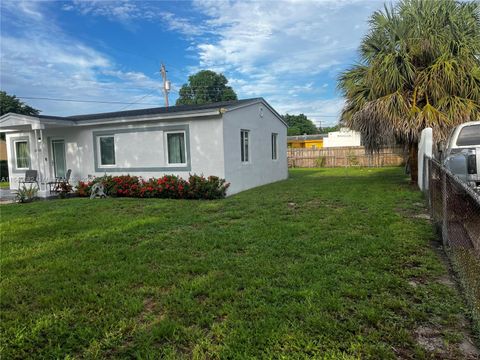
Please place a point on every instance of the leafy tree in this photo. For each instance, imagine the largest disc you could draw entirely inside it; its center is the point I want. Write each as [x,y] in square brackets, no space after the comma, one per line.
[299,125]
[328,129]
[10,103]
[205,87]
[420,67]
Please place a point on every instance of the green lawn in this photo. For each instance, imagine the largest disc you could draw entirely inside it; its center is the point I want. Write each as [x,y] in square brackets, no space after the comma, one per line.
[328,264]
[4,185]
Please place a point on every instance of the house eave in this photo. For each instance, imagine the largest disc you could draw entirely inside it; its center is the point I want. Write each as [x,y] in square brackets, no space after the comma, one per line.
[256,101]
[18,122]
[152,117]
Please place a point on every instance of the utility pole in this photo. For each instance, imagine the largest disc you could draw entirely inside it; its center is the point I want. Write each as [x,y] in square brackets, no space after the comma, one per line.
[166,83]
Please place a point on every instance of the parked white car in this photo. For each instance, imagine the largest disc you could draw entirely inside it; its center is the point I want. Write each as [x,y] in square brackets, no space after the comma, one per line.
[462,153]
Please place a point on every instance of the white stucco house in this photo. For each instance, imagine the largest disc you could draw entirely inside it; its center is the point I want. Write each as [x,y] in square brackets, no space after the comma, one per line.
[241,141]
[343,137]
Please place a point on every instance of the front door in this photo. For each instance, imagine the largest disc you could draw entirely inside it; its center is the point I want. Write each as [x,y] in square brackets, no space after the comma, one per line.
[59,163]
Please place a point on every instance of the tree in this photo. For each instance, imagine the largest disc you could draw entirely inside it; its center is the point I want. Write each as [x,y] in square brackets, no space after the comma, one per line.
[299,125]
[419,68]
[205,87]
[327,129]
[10,103]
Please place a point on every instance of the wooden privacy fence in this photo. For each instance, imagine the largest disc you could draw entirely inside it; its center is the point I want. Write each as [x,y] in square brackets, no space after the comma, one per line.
[345,156]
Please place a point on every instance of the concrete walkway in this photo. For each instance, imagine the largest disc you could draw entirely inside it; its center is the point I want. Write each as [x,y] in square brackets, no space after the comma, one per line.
[6,196]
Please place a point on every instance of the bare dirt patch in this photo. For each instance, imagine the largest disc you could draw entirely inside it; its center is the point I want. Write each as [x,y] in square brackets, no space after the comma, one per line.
[430,339]
[446,280]
[423,216]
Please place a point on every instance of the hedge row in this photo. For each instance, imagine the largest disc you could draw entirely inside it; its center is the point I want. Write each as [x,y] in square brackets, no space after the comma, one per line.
[168,186]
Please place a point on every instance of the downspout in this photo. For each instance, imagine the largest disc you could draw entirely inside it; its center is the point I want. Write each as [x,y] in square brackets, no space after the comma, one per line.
[35,135]
[42,146]
[38,133]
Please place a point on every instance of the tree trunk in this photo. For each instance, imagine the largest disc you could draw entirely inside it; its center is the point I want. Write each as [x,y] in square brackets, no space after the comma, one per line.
[413,161]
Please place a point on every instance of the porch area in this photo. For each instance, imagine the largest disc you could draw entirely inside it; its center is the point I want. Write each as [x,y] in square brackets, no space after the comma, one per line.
[35,158]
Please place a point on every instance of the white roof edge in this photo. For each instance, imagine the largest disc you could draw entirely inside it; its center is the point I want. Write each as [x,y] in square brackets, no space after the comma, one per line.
[32,119]
[260,100]
[4,117]
[165,116]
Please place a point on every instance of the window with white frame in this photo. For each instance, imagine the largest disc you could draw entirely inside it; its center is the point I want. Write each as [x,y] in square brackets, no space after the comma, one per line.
[22,154]
[274,146]
[244,142]
[176,149]
[107,150]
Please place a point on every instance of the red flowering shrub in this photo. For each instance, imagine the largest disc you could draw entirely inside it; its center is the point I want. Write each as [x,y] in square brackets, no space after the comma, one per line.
[167,187]
[84,187]
[124,185]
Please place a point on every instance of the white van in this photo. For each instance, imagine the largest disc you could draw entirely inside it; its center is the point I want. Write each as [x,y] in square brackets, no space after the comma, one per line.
[462,153]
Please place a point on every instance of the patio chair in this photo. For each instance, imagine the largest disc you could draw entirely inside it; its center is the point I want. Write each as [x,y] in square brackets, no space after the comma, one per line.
[31,177]
[55,186]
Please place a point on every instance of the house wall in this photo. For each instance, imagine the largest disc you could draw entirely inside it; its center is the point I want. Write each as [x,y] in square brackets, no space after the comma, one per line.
[261,169]
[140,149]
[15,174]
[344,137]
[307,144]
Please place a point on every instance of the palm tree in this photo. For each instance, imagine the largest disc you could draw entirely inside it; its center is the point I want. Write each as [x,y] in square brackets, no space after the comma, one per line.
[419,67]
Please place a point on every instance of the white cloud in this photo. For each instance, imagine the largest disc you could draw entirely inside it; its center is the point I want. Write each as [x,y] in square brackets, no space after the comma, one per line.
[181,24]
[286,51]
[41,61]
[123,11]
[29,9]
[289,36]
[278,49]
[126,12]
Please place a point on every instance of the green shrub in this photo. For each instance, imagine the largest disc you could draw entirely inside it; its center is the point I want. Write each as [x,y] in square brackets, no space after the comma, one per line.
[26,194]
[212,187]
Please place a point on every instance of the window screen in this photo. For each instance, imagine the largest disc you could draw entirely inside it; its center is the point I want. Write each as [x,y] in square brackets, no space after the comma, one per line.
[176,148]
[107,150]
[22,154]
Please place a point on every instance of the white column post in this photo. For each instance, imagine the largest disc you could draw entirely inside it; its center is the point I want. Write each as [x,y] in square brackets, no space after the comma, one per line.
[39,152]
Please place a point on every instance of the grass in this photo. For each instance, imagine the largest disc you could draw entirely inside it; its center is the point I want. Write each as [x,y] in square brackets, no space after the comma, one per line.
[320,265]
[4,185]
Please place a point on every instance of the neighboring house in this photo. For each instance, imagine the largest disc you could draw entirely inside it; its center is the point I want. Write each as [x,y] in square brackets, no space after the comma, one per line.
[3,161]
[242,141]
[344,137]
[3,150]
[306,141]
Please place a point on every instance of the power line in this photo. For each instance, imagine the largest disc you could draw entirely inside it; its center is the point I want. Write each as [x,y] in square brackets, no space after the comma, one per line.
[315,114]
[85,101]
[138,101]
[131,103]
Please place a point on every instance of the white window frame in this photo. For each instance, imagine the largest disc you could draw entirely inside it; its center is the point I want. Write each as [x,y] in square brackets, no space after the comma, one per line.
[242,147]
[100,152]
[16,157]
[274,141]
[168,164]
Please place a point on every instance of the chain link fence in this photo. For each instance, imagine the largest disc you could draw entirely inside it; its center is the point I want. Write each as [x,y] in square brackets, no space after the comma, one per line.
[455,209]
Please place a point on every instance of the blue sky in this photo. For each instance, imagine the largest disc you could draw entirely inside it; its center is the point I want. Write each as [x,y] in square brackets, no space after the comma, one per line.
[289,52]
